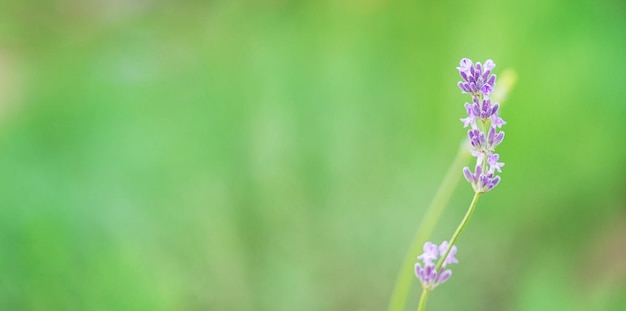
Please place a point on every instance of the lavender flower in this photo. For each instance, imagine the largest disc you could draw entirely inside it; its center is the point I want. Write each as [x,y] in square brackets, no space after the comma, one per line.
[479,82]
[427,274]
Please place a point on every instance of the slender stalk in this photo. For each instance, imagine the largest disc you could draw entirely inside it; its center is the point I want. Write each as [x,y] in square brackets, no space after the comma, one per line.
[423,299]
[404,279]
[459,229]
[431,217]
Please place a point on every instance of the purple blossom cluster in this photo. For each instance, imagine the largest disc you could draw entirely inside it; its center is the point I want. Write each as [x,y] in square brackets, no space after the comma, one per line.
[484,122]
[427,274]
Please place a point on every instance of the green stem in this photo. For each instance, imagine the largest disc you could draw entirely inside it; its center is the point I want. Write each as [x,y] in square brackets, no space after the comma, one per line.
[423,299]
[459,229]
[431,217]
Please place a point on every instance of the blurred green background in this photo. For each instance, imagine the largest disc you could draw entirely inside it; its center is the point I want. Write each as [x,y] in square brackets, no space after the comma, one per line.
[278,155]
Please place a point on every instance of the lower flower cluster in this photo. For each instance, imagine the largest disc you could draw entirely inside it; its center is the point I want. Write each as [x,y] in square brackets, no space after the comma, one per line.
[426,273]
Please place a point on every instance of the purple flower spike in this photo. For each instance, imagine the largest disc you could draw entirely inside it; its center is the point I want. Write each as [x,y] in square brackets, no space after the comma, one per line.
[479,82]
[426,273]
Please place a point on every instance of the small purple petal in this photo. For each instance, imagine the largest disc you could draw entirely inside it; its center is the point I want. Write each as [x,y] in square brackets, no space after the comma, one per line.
[431,252]
[494,165]
[468,174]
[486,74]
[444,276]
[478,172]
[489,64]
[493,158]
[450,258]
[492,81]
[494,182]
[429,274]
[498,166]
[443,247]
[476,109]
[491,134]
[467,121]
[494,108]
[468,109]
[477,154]
[497,121]
[498,139]
[463,75]
[486,89]
[494,138]
[465,65]
[486,109]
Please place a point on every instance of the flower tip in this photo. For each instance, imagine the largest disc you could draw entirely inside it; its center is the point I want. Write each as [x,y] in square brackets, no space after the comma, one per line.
[494,182]
[489,64]
[444,276]
[418,269]
[468,174]
[465,64]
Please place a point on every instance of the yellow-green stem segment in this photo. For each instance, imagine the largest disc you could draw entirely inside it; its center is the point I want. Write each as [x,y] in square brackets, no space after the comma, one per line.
[458,231]
[422,305]
[431,217]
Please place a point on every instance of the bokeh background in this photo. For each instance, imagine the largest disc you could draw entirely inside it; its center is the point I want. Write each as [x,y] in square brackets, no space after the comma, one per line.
[279,155]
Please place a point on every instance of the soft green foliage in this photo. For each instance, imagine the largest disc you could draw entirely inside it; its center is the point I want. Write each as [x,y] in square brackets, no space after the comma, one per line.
[278,155]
